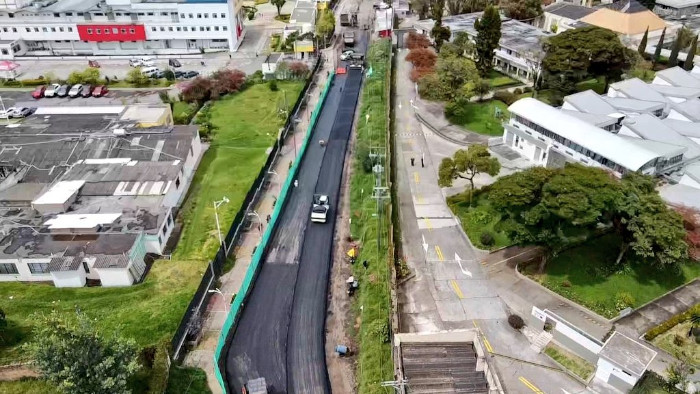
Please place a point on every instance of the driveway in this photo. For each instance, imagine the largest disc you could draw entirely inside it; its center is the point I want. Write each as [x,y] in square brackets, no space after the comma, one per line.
[451,289]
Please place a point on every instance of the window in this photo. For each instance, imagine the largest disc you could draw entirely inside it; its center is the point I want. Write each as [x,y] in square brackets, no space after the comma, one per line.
[106,31]
[99,14]
[149,14]
[69,14]
[56,15]
[38,268]
[207,28]
[53,29]
[199,16]
[4,51]
[224,28]
[190,15]
[14,30]
[177,182]
[170,219]
[70,29]
[79,14]
[11,15]
[4,29]
[85,266]
[223,15]
[27,29]
[141,14]
[170,28]
[118,14]
[123,31]
[165,229]
[8,269]
[160,239]
[89,31]
[60,29]
[164,13]
[98,31]
[115,30]
[213,15]
[132,31]
[44,29]
[178,28]
[206,15]
[216,28]
[182,15]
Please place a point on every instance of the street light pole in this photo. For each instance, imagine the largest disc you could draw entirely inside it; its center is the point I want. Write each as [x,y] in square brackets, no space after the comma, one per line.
[217,204]
[223,297]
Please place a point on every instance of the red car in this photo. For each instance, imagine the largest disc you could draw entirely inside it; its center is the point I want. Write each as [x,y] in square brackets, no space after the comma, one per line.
[99,91]
[39,92]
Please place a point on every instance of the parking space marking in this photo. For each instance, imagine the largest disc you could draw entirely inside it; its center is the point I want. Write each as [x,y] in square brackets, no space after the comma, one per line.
[530,385]
[439,253]
[455,287]
[416,177]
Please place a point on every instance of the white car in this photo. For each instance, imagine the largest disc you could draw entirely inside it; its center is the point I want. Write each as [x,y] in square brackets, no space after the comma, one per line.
[346,55]
[75,90]
[51,90]
[320,208]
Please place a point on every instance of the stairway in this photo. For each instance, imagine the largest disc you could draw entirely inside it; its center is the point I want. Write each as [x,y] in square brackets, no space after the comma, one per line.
[541,341]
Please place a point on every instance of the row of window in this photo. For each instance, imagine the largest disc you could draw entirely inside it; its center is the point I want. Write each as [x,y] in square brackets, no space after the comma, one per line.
[191,28]
[113,30]
[572,145]
[204,15]
[34,268]
[36,29]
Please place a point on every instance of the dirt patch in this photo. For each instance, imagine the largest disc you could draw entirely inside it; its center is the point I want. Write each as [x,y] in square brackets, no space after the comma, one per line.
[16,372]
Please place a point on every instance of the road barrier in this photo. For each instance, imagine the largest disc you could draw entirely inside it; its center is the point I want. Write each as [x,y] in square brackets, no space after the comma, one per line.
[228,329]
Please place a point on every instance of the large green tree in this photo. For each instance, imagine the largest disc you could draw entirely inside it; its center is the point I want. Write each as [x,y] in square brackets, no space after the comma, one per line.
[522,10]
[467,164]
[278,4]
[581,53]
[487,37]
[455,78]
[325,25]
[78,359]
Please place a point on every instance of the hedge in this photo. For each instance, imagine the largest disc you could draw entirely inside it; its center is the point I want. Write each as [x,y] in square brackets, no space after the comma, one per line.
[672,322]
[158,381]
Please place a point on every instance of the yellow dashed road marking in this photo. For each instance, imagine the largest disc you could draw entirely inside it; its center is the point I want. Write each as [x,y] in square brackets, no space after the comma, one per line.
[430,225]
[488,345]
[530,385]
[416,177]
[455,287]
[439,253]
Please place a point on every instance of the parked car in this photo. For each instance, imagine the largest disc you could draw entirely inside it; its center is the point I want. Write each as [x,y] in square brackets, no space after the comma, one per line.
[39,92]
[51,90]
[87,91]
[346,55]
[190,74]
[75,90]
[149,71]
[63,91]
[93,63]
[135,63]
[179,74]
[99,91]
[22,112]
[174,63]
[7,113]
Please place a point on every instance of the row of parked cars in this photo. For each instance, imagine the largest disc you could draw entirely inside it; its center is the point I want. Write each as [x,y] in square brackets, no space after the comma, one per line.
[16,112]
[78,90]
[147,61]
[155,72]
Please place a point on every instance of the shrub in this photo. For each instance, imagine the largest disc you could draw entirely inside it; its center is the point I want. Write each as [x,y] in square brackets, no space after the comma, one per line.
[169,75]
[418,73]
[527,89]
[624,300]
[565,283]
[256,77]
[273,85]
[678,340]
[516,322]
[164,97]
[505,97]
[415,40]
[298,70]
[670,323]
[486,238]
[158,380]
[518,91]
[199,90]
[34,82]
[380,329]
[422,57]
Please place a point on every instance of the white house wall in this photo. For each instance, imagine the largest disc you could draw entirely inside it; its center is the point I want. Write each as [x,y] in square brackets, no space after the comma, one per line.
[115,277]
[24,274]
[605,369]
[69,278]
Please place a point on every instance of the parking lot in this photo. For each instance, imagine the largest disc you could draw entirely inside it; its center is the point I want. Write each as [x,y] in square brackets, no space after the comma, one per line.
[118,97]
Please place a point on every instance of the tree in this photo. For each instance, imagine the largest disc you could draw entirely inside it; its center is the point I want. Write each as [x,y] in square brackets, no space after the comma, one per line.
[684,36]
[678,374]
[198,90]
[455,72]
[522,9]
[437,9]
[75,77]
[226,81]
[642,49]
[77,359]
[278,4]
[584,52]
[422,58]
[694,322]
[690,58]
[673,58]
[169,74]
[439,33]
[298,70]
[415,40]
[136,77]
[326,25]
[482,89]
[463,43]
[421,7]
[488,35]
[91,75]
[657,51]
[467,164]
[3,325]
[456,7]
[648,3]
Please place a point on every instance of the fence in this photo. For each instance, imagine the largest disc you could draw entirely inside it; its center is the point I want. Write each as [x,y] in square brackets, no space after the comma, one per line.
[254,268]
[193,314]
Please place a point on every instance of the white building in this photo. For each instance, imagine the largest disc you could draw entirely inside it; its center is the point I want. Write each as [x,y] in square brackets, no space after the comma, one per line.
[118,27]
[677,8]
[622,361]
[98,196]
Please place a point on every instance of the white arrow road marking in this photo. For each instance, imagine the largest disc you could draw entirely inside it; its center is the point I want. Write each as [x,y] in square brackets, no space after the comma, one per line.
[425,244]
[464,271]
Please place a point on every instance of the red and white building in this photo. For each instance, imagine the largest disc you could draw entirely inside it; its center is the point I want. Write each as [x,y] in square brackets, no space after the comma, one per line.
[118,27]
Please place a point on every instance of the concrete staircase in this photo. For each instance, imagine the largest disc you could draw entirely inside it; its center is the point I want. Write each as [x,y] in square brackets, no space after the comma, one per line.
[541,341]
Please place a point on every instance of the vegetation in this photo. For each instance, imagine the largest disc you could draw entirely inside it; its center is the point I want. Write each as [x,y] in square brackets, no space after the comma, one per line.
[479,117]
[588,275]
[690,58]
[522,10]
[185,380]
[516,322]
[672,322]
[676,341]
[183,112]
[478,219]
[580,54]
[72,354]
[325,25]
[659,45]
[439,32]
[467,164]
[222,82]
[372,304]
[488,35]
[278,4]
[642,48]
[652,383]
[499,80]
[577,365]
[137,78]
[89,76]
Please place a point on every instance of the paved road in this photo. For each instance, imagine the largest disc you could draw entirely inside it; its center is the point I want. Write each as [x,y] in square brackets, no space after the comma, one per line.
[447,292]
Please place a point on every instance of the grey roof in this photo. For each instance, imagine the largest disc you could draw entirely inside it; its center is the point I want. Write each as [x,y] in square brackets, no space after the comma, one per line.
[21,194]
[141,171]
[625,104]
[693,171]
[590,102]
[627,353]
[111,261]
[682,195]
[689,108]
[652,128]
[678,3]
[677,76]
[638,89]
[303,15]
[65,263]
[569,11]
[626,6]
[688,129]
[661,148]
[677,91]
[24,242]
[592,118]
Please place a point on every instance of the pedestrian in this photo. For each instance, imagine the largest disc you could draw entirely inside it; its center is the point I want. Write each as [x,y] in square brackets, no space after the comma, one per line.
[365,264]
[202,63]
[229,56]
[260,226]
[107,80]
[296,183]
[413,160]
[268,218]
[422,162]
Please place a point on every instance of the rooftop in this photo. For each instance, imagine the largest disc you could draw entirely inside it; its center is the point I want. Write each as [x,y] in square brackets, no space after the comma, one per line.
[608,145]
[690,109]
[652,128]
[678,3]
[626,23]
[677,76]
[303,15]
[688,129]
[677,91]
[637,89]
[569,11]
[627,353]
[626,6]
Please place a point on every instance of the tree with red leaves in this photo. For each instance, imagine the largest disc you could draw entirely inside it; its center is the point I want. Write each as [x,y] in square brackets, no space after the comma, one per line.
[415,40]
[422,58]
[298,69]
[226,81]
[199,90]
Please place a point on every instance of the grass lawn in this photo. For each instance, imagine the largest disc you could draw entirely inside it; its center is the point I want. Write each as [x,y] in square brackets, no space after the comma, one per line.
[689,350]
[375,362]
[187,381]
[28,386]
[499,80]
[652,383]
[577,365]
[478,219]
[597,84]
[582,275]
[247,125]
[480,117]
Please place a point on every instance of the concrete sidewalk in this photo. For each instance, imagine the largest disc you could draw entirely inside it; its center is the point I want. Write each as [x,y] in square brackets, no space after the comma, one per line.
[218,307]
